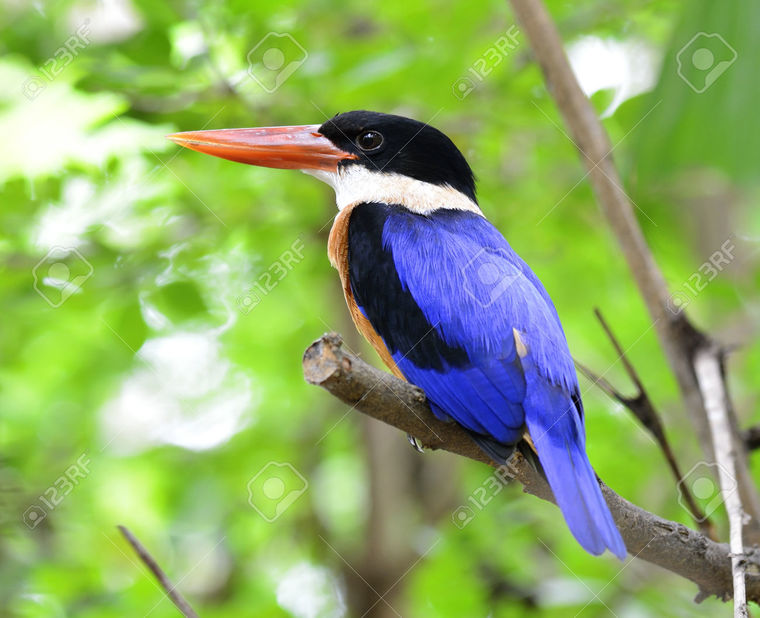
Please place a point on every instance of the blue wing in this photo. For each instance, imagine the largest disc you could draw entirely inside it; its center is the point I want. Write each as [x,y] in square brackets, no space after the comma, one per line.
[448,295]
[475,292]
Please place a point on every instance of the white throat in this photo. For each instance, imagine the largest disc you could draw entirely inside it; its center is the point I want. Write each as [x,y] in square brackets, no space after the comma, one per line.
[356,184]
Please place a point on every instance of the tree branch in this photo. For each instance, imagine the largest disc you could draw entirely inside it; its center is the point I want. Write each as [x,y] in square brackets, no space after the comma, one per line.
[668,544]
[142,553]
[709,375]
[751,437]
[643,409]
[678,337]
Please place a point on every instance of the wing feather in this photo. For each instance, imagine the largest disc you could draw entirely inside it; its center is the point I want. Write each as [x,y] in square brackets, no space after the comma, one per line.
[475,291]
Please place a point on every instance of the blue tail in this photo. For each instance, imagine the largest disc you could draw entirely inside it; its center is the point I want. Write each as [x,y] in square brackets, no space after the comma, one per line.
[556,427]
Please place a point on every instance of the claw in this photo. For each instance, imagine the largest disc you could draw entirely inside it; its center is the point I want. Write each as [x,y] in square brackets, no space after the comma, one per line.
[416,444]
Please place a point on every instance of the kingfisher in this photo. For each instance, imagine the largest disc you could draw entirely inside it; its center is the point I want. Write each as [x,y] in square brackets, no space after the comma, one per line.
[440,294]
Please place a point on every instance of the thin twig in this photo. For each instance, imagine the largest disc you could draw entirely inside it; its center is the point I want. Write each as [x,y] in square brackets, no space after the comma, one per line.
[636,405]
[142,553]
[622,356]
[648,537]
[643,409]
[707,366]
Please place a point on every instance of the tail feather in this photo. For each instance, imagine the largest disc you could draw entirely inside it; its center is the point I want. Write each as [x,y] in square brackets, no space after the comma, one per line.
[556,428]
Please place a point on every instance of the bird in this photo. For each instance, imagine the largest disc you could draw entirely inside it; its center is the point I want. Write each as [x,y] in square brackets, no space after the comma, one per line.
[440,294]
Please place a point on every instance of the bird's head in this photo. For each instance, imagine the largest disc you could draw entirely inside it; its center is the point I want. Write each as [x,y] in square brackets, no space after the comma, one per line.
[365,156]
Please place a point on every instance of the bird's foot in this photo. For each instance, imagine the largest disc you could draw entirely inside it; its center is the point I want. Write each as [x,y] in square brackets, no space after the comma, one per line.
[416,444]
[528,451]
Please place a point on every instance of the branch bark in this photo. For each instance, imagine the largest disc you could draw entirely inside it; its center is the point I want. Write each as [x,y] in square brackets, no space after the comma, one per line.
[677,335]
[708,369]
[665,543]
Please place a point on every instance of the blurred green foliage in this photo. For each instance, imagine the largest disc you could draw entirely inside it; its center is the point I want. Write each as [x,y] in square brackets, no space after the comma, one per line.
[156,391]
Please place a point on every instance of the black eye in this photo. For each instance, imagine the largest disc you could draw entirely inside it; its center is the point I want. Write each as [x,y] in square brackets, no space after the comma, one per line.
[369,140]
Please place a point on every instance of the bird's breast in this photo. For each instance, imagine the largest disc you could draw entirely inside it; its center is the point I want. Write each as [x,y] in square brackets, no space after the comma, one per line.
[337,251]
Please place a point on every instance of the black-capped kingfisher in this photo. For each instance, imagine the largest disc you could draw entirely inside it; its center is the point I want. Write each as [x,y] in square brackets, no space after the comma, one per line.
[440,294]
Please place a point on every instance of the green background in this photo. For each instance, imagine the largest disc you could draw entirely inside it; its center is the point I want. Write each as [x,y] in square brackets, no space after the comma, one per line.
[176,394]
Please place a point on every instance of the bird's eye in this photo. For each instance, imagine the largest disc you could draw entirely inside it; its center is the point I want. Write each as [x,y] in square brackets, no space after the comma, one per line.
[369,140]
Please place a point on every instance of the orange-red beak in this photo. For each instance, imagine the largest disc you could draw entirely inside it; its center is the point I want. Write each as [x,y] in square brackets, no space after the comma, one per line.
[297,147]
